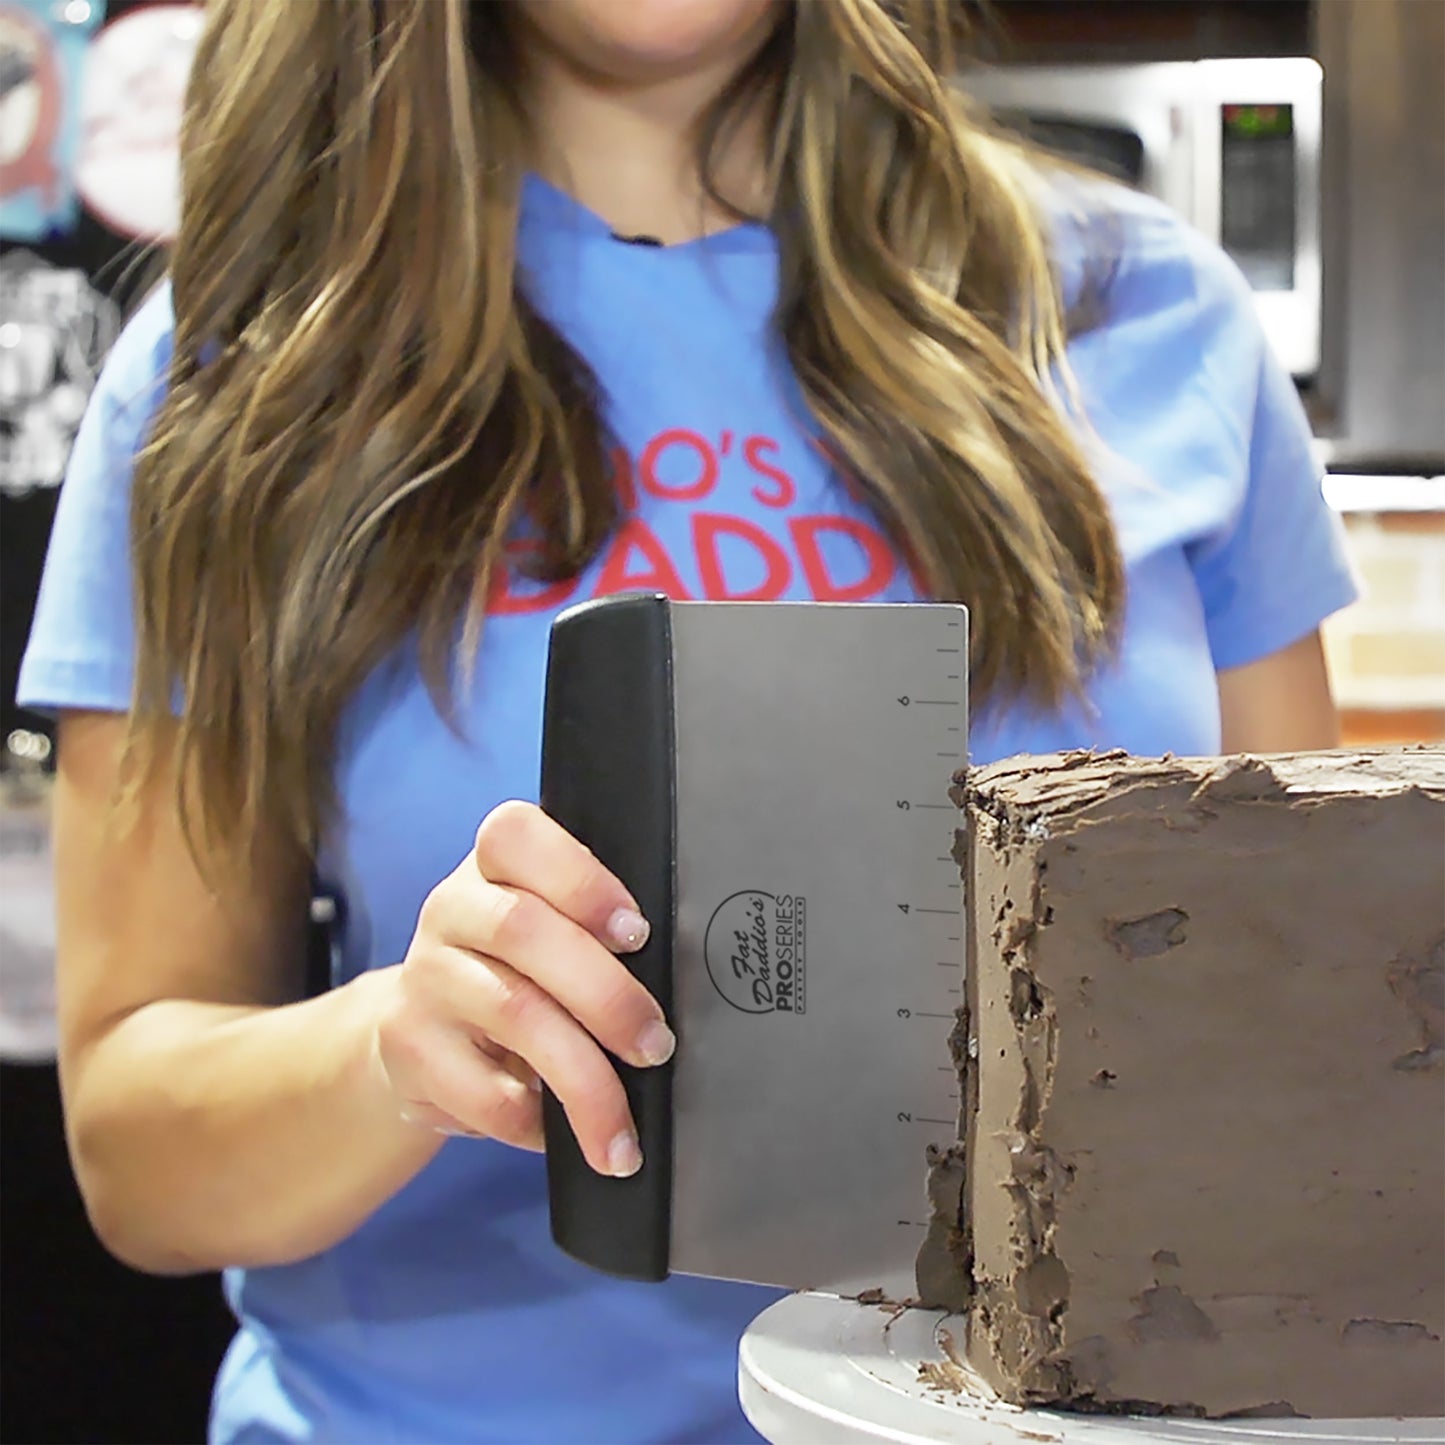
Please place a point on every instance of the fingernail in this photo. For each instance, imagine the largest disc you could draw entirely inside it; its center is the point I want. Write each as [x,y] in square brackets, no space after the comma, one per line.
[628,930]
[535,1084]
[624,1158]
[656,1042]
[452,1133]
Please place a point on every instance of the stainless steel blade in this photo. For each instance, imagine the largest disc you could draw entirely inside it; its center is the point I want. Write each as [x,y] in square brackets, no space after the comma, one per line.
[818,962]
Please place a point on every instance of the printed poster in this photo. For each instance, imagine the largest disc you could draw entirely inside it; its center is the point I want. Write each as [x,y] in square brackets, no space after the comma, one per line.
[42,59]
[137,68]
[55,331]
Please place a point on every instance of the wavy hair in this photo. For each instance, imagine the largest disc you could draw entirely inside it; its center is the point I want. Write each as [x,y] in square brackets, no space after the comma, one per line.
[362,404]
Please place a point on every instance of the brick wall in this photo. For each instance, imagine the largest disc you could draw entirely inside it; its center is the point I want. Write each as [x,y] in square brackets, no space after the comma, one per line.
[1387,653]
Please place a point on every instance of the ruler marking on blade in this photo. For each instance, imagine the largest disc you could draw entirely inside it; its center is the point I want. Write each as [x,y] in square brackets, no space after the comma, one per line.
[941,1097]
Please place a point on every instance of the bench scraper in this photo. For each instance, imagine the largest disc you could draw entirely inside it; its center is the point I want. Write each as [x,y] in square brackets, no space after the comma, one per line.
[771,781]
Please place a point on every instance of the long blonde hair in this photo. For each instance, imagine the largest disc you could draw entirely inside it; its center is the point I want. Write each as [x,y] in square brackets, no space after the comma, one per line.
[362,404]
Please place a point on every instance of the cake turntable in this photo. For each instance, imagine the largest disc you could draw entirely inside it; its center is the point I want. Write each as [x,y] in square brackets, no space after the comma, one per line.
[816,1369]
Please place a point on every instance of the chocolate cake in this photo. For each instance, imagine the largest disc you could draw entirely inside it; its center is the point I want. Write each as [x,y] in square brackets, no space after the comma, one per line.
[1202,1157]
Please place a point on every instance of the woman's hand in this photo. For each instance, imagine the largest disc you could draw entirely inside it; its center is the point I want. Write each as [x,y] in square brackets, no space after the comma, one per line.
[510,979]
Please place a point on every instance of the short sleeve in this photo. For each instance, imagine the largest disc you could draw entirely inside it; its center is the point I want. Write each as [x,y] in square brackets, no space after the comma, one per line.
[1277,567]
[81,650]
[1205,443]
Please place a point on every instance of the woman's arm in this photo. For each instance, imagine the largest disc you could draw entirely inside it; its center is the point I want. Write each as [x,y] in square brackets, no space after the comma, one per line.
[1281,703]
[208,1125]
[212,1121]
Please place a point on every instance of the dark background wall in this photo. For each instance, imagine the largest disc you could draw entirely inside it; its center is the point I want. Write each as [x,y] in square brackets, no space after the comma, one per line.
[89,1351]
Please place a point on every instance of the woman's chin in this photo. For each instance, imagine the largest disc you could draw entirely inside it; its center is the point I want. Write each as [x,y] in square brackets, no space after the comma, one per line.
[632,40]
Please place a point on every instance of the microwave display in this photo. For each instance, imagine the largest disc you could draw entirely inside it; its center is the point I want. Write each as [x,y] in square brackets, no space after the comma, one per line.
[1257,193]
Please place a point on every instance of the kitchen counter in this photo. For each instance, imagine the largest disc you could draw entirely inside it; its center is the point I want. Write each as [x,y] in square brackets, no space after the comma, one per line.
[1387,653]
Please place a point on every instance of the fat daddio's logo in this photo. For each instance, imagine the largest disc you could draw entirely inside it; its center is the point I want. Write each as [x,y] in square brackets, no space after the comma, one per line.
[755,950]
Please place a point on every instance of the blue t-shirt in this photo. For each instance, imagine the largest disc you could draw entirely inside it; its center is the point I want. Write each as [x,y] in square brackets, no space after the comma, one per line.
[449,1315]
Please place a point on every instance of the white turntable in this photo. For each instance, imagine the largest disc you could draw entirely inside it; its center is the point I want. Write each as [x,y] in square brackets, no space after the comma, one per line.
[819,1370]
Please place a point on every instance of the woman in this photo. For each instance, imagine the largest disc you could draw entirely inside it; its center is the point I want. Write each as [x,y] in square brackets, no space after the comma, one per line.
[407,372]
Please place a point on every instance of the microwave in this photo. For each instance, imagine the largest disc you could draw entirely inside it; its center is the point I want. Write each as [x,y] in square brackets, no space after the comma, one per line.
[1232,145]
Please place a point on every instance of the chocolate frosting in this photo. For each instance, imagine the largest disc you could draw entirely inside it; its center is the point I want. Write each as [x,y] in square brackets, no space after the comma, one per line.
[1202,1146]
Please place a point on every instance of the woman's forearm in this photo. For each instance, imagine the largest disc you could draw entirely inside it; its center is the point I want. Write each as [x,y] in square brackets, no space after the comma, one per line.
[206,1135]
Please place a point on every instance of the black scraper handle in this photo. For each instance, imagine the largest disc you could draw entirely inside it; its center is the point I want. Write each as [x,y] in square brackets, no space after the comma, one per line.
[607,777]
